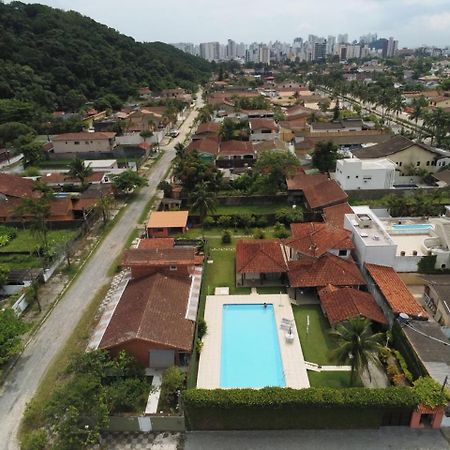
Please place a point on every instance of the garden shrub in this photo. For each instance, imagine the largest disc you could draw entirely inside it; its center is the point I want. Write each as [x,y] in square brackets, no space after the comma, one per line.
[430,393]
[173,380]
[259,234]
[198,346]
[127,395]
[226,237]
[261,221]
[209,222]
[280,231]
[201,328]
[289,215]
[225,221]
[246,220]
[404,366]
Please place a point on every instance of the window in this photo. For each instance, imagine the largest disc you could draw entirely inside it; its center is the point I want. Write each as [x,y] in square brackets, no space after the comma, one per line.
[173,268]
[348,177]
[418,163]
[342,252]
[414,252]
[77,143]
[443,266]
[86,142]
[402,253]
[433,163]
[428,163]
[400,164]
[357,176]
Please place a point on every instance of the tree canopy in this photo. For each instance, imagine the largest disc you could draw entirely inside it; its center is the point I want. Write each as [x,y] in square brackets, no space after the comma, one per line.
[325,156]
[57,59]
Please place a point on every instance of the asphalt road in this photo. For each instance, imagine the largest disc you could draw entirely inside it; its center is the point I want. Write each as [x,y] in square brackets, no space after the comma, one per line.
[395,438]
[25,377]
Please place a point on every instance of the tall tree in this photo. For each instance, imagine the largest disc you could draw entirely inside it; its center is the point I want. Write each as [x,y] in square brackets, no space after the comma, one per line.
[203,200]
[128,181]
[356,345]
[325,156]
[78,169]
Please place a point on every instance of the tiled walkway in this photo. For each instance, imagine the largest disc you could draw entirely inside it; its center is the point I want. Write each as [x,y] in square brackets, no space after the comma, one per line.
[141,441]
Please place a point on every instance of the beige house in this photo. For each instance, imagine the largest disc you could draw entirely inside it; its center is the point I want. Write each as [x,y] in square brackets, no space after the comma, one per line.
[404,153]
[74,143]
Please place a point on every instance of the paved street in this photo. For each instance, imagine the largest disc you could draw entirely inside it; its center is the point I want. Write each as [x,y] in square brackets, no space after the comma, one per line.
[385,438]
[26,375]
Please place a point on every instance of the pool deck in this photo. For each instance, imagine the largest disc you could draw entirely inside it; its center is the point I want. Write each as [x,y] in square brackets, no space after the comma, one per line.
[294,367]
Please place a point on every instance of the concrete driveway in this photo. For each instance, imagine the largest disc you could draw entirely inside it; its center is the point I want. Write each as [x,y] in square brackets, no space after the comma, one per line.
[395,438]
[25,377]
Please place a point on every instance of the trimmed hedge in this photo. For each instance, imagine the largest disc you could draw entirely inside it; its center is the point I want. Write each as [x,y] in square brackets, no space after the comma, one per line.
[285,408]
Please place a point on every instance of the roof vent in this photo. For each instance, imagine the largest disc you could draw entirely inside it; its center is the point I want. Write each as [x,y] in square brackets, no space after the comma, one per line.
[364,220]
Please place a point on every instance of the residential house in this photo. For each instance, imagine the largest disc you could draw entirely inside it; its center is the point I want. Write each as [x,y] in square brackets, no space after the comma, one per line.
[260,262]
[442,101]
[299,182]
[321,195]
[263,130]
[335,215]
[150,323]
[405,154]
[437,297]
[16,187]
[207,130]
[348,125]
[164,223]
[208,148]
[72,144]
[340,304]
[355,173]
[60,179]
[236,154]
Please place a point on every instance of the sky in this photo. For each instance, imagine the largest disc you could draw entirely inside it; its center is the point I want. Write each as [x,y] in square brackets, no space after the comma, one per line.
[412,22]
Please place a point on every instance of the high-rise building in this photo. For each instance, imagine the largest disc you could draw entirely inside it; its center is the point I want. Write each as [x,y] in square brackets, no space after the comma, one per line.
[210,51]
[264,54]
[342,38]
[320,51]
[231,50]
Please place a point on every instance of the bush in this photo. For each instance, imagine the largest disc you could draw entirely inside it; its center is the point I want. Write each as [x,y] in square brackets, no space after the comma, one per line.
[198,346]
[201,328]
[259,234]
[31,172]
[430,393]
[404,366]
[36,440]
[173,380]
[226,237]
[246,220]
[261,221]
[280,231]
[225,221]
[8,231]
[127,395]
[209,222]
[289,215]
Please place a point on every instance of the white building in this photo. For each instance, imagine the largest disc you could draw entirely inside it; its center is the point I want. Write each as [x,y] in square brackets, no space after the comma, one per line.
[210,51]
[354,173]
[398,242]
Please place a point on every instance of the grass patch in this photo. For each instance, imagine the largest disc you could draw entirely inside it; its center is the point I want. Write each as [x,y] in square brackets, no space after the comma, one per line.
[54,164]
[317,344]
[330,379]
[269,290]
[270,208]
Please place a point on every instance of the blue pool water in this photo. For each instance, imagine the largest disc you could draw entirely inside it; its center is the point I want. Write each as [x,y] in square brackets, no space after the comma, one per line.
[412,226]
[251,355]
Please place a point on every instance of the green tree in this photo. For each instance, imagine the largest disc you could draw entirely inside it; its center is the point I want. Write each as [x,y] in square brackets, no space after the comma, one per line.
[227,130]
[146,134]
[103,207]
[275,167]
[127,181]
[78,169]
[203,200]
[336,110]
[166,187]
[11,328]
[356,345]
[32,152]
[324,105]
[11,131]
[325,156]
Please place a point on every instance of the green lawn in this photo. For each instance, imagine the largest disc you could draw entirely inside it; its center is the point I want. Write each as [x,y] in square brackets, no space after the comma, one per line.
[316,344]
[25,241]
[270,208]
[54,164]
[329,379]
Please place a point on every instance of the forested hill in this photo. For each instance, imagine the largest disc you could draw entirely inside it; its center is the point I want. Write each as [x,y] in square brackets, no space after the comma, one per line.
[59,59]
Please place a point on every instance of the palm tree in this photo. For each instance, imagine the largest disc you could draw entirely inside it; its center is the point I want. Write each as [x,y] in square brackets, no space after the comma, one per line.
[357,345]
[203,200]
[78,169]
[180,150]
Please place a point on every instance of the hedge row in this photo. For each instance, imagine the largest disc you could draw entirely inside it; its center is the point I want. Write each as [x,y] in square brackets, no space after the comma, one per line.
[393,397]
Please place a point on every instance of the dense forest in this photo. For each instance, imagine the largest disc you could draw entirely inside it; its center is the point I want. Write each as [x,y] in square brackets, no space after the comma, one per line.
[59,60]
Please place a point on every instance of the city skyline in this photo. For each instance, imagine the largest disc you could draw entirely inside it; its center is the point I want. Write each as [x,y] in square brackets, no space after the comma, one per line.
[205,21]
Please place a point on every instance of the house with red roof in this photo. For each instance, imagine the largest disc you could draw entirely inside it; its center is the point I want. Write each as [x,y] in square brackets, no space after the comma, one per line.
[322,195]
[263,130]
[260,262]
[299,182]
[335,215]
[236,154]
[340,304]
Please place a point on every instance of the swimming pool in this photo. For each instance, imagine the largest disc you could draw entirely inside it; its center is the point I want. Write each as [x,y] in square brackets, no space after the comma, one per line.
[412,226]
[250,353]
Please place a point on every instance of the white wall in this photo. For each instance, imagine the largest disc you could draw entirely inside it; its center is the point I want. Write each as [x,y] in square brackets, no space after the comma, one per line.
[352,173]
[255,136]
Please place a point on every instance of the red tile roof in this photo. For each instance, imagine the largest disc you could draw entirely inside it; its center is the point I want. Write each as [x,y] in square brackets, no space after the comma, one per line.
[260,256]
[61,207]
[334,215]
[208,127]
[15,186]
[324,194]
[80,204]
[316,238]
[209,146]
[266,124]
[236,148]
[161,256]
[152,309]
[156,243]
[84,136]
[395,291]
[345,303]
[300,181]
[328,269]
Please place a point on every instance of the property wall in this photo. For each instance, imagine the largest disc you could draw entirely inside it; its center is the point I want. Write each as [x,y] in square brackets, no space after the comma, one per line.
[373,194]
[257,135]
[156,423]
[96,145]
[406,263]
[182,270]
